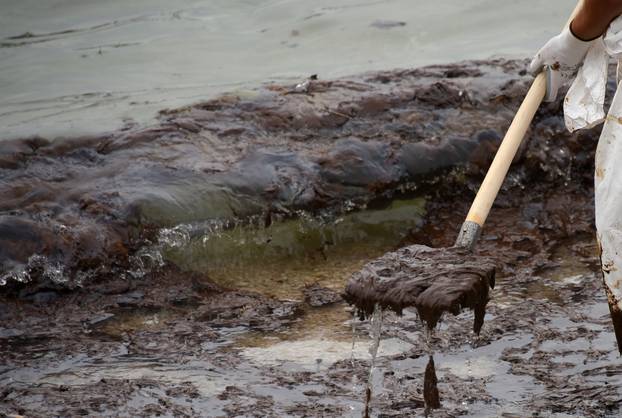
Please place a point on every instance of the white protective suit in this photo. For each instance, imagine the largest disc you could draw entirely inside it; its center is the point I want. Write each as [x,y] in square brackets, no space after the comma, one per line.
[583,107]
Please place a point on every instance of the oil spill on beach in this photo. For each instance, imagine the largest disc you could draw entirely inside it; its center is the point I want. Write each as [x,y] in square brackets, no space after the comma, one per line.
[240,159]
[136,312]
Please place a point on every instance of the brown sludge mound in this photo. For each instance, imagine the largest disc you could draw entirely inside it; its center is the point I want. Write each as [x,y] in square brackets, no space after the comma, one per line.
[433,280]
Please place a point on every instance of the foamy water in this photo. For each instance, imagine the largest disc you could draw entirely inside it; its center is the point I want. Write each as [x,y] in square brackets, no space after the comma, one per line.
[69,67]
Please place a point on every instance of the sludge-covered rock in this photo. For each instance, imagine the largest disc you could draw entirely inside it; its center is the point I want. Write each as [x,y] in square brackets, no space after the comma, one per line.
[94,201]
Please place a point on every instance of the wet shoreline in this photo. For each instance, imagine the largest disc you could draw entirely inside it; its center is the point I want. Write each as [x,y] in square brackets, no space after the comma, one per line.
[174,341]
[269,155]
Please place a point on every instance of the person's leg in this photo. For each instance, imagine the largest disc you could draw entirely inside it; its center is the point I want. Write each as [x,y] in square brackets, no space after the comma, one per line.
[608,199]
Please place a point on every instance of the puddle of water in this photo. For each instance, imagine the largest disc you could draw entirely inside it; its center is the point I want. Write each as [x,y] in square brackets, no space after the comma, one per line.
[80,370]
[130,320]
[571,267]
[480,364]
[314,354]
[571,270]
[279,260]
[598,311]
[321,338]
[331,322]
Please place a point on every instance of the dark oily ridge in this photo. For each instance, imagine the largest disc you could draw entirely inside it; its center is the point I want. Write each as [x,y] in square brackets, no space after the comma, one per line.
[74,209]
[432,280]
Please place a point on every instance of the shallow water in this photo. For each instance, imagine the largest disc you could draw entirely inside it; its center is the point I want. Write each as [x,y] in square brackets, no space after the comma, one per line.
[70,67]
[279,260]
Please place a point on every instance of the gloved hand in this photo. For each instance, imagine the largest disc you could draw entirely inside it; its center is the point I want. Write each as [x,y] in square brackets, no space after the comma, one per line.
[562,57]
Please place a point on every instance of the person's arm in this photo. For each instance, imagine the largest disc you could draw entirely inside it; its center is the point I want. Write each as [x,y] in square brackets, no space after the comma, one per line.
[594,17]
[563,54]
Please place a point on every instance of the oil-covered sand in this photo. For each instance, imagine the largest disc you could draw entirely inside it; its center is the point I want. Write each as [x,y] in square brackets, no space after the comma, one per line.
[111,316]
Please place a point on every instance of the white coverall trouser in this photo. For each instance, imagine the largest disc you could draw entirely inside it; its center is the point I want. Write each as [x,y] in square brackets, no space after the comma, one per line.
[584,107]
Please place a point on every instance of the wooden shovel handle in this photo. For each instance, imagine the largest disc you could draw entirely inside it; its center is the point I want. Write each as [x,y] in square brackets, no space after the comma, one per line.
[499,168]
[501,164]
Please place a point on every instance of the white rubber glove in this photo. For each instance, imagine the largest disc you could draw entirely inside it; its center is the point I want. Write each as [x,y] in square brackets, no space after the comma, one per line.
[562,57]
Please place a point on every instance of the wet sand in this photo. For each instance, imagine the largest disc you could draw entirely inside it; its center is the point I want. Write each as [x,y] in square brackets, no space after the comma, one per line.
[174,341]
